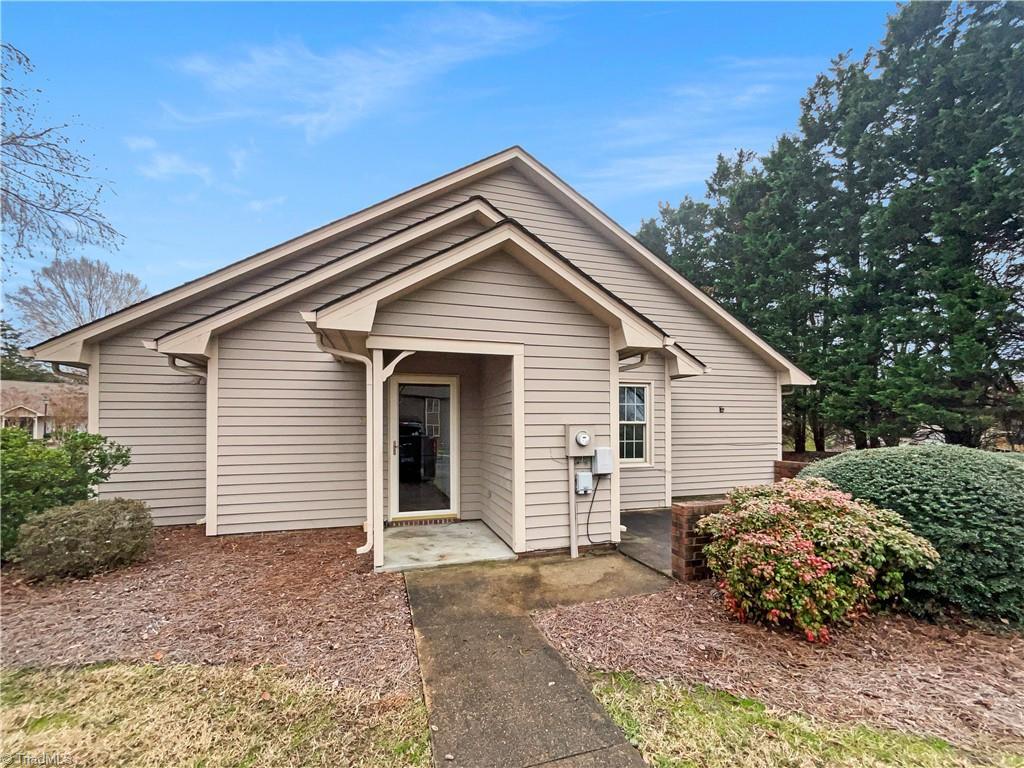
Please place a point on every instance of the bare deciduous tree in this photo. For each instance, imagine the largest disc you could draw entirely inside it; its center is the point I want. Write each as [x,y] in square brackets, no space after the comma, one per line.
[70,292]
[50,201]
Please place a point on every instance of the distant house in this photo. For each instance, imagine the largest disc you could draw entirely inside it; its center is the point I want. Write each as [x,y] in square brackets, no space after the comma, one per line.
[455,352]
[42,407]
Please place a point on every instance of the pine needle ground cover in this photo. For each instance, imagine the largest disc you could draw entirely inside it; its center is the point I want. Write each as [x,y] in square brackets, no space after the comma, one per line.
[262,650]
[691,686]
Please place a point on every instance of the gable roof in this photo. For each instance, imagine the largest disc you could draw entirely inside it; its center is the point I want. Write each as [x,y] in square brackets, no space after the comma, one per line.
[68,347]
[192,338]
[352,315]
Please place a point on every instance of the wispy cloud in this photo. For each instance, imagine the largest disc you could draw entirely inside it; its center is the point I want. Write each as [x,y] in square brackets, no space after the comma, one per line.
[325,92]
[162,164]
[239,160]
[259,206]
[734,103]
[138,143]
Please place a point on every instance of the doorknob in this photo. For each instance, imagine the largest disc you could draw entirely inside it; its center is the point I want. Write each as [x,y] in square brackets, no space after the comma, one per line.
[394,447]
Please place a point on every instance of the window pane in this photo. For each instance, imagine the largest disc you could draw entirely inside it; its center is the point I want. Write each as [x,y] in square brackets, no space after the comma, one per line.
[632,422]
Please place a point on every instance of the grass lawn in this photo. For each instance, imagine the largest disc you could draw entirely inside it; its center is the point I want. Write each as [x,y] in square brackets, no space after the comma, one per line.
[272,650]
[205,716]
[677,726]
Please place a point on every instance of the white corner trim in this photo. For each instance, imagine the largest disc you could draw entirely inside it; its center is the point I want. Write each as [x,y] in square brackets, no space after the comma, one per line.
[668,437]
[519,448]
[378,458]
[92,359]
[212,439]
[614,513]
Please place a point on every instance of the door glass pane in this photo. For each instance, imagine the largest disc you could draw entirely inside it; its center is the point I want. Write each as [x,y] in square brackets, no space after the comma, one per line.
[424,447]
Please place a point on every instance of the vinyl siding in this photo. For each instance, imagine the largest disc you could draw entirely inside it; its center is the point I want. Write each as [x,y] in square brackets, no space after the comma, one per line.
[289,410]
[566,368]
[642,486]
[161,414]
[496,449]
[711,451]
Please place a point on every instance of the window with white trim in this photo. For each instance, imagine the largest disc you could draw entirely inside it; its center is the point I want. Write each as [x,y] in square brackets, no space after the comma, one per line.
[634,400]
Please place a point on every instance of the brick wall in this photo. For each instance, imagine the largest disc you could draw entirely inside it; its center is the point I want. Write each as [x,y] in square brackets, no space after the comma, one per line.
[688,563]
[787,469]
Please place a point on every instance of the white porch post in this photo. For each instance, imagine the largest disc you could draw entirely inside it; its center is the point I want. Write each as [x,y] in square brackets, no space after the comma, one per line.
[377,416]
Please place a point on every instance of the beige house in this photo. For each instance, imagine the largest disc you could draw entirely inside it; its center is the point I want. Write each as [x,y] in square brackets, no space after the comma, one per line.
[42,407]
[435,357]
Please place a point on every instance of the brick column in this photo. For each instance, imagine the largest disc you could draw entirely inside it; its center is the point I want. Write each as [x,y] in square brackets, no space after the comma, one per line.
[788,469]
[688,563]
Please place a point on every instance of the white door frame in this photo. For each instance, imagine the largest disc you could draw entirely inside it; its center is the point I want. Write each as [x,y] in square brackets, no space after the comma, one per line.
[455,474]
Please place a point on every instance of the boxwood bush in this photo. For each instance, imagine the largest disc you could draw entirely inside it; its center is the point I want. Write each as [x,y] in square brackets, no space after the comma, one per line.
[35,475]
[84,538]
[968,503]
[802,553]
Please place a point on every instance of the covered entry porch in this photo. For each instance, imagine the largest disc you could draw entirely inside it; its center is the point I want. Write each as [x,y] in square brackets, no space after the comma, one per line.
[445,449]
[453,452]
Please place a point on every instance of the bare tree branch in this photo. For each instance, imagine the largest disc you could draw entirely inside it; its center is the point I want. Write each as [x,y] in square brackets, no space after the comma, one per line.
[71,292]
[49,200]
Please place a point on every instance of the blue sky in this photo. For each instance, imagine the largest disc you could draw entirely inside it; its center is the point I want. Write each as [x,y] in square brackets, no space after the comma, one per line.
[226,128]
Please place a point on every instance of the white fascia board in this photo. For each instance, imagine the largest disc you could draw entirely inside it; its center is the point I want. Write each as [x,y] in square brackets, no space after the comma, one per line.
[195,338]
[680,365]
[64,350]
[356,313]
[703,302]
[184,293]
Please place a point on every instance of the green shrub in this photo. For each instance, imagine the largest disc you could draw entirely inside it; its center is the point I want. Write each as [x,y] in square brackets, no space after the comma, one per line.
[968,503]
[802,553]
[84,538]
[35,476]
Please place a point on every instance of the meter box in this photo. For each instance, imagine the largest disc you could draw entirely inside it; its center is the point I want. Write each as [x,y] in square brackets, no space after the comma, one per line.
[579,439]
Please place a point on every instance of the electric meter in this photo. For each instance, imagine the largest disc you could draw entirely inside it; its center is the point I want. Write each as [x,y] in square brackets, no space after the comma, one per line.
[579,439]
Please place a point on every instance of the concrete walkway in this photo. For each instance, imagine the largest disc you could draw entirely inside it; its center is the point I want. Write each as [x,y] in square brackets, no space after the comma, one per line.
[498,695]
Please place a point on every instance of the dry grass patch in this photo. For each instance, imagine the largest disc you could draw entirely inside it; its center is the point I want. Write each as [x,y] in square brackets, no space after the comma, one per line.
[675,726]
[958,684]
[183,715]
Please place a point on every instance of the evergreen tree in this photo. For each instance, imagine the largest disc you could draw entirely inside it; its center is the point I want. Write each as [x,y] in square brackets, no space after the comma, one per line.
[882,248]
[14,366]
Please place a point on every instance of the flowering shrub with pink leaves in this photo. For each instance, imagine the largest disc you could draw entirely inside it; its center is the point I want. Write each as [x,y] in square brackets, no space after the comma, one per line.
[802,553]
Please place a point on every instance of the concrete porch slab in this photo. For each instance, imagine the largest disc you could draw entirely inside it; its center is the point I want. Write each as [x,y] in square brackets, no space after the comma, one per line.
[648,538]
[408,548]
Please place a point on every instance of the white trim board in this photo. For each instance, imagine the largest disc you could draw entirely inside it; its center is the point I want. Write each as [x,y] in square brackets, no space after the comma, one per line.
[355,313]
[193,338]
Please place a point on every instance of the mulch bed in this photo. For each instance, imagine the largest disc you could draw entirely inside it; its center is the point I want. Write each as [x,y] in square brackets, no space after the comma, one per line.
[302,600]
[954,682]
